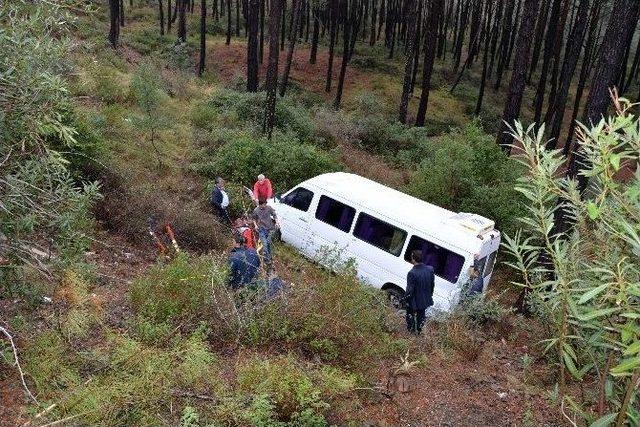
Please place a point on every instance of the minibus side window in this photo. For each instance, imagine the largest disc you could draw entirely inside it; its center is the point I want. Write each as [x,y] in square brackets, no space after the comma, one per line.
[446,264]
[380,234]
[335,213]
[491,260]
[300,198]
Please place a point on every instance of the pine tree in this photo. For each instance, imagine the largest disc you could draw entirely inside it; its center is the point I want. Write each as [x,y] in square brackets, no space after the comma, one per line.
[271,83]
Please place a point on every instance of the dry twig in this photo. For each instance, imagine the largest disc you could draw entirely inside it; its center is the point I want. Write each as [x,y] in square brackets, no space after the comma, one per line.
[17,363]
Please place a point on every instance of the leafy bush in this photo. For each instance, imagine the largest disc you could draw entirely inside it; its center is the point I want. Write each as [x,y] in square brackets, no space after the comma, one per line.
[466,171]
[581,263]
[284,159]
[293,394]
[248,108]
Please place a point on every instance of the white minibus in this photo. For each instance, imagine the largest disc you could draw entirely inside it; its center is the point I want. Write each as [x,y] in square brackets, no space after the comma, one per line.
[378,227]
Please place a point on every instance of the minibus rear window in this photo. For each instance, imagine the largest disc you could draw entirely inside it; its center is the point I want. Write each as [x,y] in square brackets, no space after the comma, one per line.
[300,198]
[335,213]
[446,264]
[491,260]
[380,234]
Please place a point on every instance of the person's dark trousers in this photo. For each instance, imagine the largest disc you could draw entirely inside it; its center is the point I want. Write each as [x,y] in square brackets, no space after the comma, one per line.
[223,214]
[415,320]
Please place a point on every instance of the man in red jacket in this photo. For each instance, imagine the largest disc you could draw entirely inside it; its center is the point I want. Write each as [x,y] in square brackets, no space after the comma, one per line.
[262,188]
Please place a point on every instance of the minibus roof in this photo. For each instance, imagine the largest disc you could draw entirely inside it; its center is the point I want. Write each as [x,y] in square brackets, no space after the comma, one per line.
[446,225]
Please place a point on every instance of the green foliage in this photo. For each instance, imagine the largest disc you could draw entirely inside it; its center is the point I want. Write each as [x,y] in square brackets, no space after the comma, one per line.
[465,171]
[173,292]
[41,200]
[284,159]
[587,278]
[248,109]
[290,392]
[146,89]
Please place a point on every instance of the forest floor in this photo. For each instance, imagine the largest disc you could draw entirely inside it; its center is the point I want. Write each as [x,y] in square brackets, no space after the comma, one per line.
[498,379]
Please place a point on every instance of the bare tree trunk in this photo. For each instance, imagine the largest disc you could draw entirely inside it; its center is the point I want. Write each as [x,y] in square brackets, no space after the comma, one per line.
[275,14]
[237,18]
[262,7]
[587,59]
[430,50]
[228,41]
[114,21]
[346,37]
[182,21]
[549,45]
[252,45]
[161,10]
[314,37]
[611,54]
[519,74]
[333,12]
[485,58]
[507,25]
[541,26]
[169,16]
[574,47]
[409,57]
[203,36]
[122,13]
[296,10]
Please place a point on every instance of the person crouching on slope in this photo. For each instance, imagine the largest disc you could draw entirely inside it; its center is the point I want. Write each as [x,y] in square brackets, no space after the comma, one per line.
[243,263]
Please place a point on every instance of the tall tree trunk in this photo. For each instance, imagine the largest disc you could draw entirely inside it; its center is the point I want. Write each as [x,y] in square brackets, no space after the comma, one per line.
[374,15]
[633,73]
[507,26]
[237,18]
[558,44]
[409,57]
[122,13]
[333,5]
[585,69]
[574,47]
[228,41]
[314,37]
[514,33]
[547,57]
[284,24]
[114,22]
[174,15]
[346,38]
[169,16]
[262,7]
[494,36]
[275,14]
[203,36]
[430,50]
[252,45]
[416,46]
[541,26]
[519,74]
[182,21]
[161,10]
[485,57]
[296,10]
[457,54]
[611,54]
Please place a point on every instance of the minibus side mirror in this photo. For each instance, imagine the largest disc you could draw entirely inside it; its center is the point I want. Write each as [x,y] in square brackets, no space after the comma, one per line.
[278,197]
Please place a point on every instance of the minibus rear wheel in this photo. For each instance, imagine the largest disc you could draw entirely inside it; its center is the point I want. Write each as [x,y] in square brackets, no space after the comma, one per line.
[395,295]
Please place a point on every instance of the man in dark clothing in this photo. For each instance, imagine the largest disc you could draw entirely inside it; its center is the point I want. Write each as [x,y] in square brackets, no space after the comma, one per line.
[220,201]
[243,263]
[419,294]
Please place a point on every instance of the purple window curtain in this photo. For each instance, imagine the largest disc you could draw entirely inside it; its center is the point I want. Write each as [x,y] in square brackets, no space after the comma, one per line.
[323,208]
[346,218]
[452,267]
[365,230]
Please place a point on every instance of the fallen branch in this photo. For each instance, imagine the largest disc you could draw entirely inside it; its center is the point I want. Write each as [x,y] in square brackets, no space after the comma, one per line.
[17,363]
[41,414]
[180,393]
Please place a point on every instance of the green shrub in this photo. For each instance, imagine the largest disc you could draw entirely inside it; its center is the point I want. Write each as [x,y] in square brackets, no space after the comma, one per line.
[176,291]
[466,171]
[295,393]
[248,109]
[284,159]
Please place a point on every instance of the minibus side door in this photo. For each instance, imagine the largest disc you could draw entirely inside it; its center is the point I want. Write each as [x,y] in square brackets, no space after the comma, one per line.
[294,212]
[330,226]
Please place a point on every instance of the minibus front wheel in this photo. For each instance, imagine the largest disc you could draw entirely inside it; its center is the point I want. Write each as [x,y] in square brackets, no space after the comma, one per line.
[395,295]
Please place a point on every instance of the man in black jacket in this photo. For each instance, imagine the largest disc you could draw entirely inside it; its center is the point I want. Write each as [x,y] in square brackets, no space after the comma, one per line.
[419,294]
[220,201]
